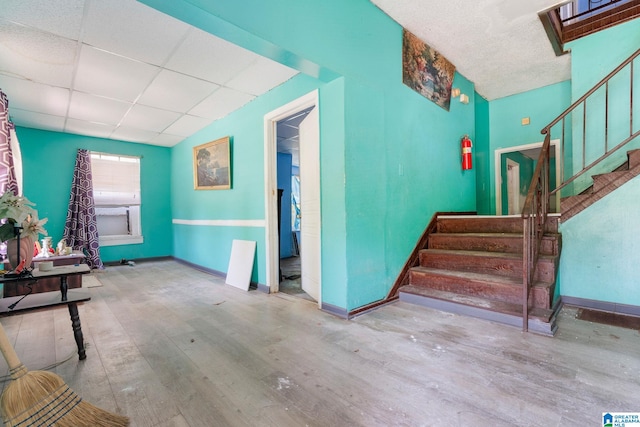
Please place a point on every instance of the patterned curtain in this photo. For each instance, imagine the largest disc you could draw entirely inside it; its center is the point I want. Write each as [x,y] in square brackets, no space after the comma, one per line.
[81,228]
[7,174]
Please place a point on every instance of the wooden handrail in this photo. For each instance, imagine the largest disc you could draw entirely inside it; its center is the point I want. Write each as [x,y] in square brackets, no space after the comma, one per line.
[598,85]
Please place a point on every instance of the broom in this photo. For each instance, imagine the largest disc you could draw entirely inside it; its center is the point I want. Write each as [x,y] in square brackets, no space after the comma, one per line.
[41,398]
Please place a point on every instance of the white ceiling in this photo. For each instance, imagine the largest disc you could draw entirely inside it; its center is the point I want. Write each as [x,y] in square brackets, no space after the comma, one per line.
[500,45]
[119,69]
[288,135]
[122,70]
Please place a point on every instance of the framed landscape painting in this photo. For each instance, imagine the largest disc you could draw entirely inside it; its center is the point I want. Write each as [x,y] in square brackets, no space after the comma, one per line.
[212,166]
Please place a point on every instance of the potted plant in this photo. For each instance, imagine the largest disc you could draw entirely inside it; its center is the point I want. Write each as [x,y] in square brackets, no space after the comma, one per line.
[20,227]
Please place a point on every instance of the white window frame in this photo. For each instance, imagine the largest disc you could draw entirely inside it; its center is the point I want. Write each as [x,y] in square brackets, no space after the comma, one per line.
[133,208]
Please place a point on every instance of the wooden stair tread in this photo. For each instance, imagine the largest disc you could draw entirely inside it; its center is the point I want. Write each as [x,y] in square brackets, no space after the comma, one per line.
[479,277]
[483,224]
[544,315]
[547,235]
[487,254]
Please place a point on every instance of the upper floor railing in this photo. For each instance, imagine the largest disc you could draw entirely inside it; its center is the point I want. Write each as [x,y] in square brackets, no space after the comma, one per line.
[578,18]
[576,10]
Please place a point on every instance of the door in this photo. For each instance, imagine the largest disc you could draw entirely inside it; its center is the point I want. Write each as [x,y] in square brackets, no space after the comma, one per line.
[513,187]
[310,205]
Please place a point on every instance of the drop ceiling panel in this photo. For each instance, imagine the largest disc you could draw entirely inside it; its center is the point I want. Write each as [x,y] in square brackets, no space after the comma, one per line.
[187,125]
[36,97]
[166,140]
[131,134]
[35,55]
[37,120]
[120,69]
[222,102]
[217,60]
[63,18]
[287,131]
[176,92]
[105,74]
[260,77]
[152,119]
[96,109]
[81,127]
[130,29]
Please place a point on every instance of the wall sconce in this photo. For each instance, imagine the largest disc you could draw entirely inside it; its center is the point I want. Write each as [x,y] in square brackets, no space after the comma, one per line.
[455,93]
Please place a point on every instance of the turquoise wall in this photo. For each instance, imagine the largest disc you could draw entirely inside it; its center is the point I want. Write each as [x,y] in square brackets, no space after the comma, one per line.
[592,58]
[599,249]
[483,156]
[599,244]
[389,157]
[48,162]
[403,165]
[210,245]
[505,121]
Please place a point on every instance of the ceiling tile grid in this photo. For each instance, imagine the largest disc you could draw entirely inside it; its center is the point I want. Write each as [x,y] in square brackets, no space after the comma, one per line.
[119,69]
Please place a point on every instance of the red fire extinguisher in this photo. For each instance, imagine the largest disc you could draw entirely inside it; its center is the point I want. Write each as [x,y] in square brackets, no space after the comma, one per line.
[466,153]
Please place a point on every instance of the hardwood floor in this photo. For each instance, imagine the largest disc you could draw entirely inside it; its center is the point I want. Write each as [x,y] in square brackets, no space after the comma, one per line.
[168,345]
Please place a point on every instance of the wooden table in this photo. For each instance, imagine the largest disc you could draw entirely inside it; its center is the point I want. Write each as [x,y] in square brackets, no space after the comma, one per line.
[70,298]
[46,284]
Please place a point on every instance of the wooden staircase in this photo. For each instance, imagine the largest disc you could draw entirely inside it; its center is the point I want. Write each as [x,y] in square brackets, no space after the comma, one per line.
[472,265]
[603,184]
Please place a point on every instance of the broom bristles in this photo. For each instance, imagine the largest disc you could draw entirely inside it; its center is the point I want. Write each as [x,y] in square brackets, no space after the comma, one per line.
[41,398]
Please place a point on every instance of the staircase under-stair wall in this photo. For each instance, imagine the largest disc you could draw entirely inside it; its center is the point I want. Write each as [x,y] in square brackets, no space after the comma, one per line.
[472,265]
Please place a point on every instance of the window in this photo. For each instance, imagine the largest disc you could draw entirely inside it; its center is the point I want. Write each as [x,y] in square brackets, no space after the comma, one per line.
[116,192]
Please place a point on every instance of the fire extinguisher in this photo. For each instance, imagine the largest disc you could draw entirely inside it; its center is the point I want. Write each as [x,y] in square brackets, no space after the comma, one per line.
[466,153]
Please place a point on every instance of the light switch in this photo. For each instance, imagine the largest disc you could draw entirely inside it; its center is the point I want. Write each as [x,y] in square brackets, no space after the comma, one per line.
[525,121]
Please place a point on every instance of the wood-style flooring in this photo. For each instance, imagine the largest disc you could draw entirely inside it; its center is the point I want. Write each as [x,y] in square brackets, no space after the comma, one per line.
[168,345]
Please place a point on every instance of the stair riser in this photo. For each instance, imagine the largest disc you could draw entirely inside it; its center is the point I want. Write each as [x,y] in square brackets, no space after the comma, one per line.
[488,225]
[509,244]
[545,270]
[613,179]
[494,291]
[634,158]
[567,203]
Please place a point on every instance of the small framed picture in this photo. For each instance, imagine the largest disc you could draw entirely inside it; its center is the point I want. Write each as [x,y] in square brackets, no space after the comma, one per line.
[212,166]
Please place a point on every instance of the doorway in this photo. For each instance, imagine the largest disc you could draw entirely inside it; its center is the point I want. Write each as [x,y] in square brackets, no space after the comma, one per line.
[521,161]
[290,205]
[304,111]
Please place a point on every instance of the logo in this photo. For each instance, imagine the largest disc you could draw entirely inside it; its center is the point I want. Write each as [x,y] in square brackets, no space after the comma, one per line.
[620,419]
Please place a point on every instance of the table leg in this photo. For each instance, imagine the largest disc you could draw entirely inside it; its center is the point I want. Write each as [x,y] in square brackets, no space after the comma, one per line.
[77,330]
[64,287]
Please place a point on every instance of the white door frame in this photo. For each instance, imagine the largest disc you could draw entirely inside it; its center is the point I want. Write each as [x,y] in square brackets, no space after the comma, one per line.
[271,183]
[498,166]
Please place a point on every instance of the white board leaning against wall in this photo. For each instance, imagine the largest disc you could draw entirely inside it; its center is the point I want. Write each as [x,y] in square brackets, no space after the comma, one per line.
[241,264]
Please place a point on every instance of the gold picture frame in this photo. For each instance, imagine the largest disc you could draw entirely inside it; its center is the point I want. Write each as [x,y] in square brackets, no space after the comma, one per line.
[212,165]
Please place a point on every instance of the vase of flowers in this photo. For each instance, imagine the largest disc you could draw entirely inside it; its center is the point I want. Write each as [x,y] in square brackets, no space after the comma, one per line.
[20,228]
